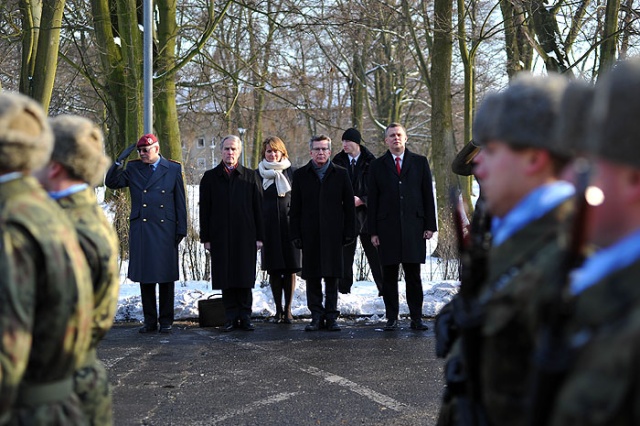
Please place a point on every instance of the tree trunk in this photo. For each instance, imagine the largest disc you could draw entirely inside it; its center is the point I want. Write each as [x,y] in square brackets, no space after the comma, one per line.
[40,48]
[166,110]
[442,122]
[609,45]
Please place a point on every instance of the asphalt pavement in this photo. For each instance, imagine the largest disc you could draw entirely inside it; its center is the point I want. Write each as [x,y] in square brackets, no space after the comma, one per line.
[275,375]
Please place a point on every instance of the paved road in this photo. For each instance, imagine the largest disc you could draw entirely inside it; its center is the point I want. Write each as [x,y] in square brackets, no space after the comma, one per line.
[276,375]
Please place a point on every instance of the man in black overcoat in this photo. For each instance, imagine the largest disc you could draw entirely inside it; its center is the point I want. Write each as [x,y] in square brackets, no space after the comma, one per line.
[232,229]
[356,158]
[402,216]
[157,225]
[322,221]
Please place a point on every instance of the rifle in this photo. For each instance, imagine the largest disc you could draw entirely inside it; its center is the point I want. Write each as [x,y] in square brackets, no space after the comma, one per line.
[553,356]
[462,373]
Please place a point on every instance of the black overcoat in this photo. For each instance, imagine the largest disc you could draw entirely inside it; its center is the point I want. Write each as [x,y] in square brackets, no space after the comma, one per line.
[278,253]
[158,217]
[231,220]
[359,182]
[401,207]
[323,218]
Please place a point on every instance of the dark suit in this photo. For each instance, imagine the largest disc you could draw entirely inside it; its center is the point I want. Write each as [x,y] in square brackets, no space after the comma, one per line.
[231,221]
[158,219]
[401,209]
[323,218]
[358,176]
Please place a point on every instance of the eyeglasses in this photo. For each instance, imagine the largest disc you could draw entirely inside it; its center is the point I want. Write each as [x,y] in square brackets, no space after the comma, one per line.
[145,150]
[320,149]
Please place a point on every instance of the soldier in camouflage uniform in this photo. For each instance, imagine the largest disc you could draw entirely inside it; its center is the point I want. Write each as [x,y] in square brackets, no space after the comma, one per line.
[602,384]
[45,287]
[77,165]
[518,169]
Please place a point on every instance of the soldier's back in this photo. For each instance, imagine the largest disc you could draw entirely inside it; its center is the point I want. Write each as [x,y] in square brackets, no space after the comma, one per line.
[47,268]
[602,386]
[99,244]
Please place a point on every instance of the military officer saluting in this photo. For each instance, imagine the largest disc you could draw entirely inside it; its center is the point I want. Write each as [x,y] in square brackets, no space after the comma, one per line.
[157,224]
[45,286]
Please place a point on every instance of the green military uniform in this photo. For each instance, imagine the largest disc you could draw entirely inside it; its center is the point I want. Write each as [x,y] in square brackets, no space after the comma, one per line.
[601,387]
[100,246]
[521,273]
[46,300]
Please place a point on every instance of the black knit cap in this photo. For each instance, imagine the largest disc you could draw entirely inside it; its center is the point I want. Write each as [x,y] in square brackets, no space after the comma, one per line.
[352,135]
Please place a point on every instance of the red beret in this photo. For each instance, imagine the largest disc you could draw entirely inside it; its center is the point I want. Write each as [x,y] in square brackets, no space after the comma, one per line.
[146,140]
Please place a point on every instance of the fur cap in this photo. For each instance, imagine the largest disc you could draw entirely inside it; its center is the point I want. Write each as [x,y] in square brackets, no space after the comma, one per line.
[79,147]
[616,107]
[528,112]
[25,136]
[572,128]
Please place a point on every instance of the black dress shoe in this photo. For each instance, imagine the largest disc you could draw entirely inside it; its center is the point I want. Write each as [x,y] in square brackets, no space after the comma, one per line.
[332,325]
[314,325]
[391,325]
[247,326]
[418,325]
[147,329]
[165,329]
[228,326]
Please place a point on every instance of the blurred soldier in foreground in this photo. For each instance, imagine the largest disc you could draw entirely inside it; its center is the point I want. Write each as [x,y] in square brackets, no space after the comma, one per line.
[601,387]
[77,165]
[157,225]
[45,287]
[517,168]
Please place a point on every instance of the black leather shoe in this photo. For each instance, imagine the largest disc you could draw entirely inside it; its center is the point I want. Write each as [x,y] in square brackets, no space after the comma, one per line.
[418,325]
[147,329]
[165,329]
[247,326]
[228,326]
[332,325]
[314,325]
[391,325]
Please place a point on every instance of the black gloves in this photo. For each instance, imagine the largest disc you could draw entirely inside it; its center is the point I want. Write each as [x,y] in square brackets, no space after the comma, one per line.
[297,243]
[179,239]
[125,153]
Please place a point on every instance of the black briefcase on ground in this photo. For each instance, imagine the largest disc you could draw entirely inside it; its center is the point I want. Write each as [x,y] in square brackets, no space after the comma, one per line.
[211,311]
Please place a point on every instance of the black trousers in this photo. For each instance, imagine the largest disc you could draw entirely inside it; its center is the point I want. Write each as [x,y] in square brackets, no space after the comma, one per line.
[237,304]
[348,255]
[314,298]
[166,293]
[414,290]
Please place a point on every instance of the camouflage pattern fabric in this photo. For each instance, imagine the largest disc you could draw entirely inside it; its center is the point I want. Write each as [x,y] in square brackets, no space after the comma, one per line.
[601,388]
[521,272]
[46,299]
[99,244]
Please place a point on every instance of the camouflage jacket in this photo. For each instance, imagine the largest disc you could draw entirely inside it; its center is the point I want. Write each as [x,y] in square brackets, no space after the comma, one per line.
[602,385]
[99,243]
[46,299]
[520,273]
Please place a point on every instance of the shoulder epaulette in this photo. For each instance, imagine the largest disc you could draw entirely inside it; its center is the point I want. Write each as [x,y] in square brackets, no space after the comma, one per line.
[174,161]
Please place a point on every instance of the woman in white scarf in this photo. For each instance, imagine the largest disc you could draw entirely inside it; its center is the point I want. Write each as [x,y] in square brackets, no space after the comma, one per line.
[279,257]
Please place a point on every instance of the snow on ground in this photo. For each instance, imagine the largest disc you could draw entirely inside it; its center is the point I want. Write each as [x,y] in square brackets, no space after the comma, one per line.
[363,301]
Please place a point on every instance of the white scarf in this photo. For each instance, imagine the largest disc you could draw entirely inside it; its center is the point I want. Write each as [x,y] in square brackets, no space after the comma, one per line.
[272,172]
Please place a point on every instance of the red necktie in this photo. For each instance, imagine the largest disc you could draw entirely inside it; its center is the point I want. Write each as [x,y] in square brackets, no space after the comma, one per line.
[398,169]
